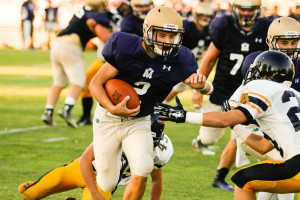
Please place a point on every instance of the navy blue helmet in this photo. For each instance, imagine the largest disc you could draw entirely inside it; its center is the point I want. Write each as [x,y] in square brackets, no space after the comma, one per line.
[273,65]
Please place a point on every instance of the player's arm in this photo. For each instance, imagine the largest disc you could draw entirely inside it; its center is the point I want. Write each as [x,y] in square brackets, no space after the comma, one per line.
[99,30]
[209,60]
[86,168]
[210,119]
[157,184]
[256,142]
[96,87]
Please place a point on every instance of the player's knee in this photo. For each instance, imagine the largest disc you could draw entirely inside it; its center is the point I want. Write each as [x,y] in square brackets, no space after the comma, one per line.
[209,141]
[144,166]
[106,186]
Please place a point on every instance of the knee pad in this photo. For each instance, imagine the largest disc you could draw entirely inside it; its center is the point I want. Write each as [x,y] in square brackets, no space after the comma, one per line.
[143,166]
[106,186]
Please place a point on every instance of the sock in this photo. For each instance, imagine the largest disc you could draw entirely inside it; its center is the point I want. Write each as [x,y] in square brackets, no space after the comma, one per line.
[87,104]
[221,174]
[70,100]
[48,106]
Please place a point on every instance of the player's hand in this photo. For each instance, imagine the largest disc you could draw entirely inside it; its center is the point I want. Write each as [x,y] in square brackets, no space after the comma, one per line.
[169,113]
[226,107]
[122,110]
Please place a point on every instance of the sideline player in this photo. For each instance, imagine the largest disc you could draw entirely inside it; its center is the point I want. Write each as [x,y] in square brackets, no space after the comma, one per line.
[266,99]
[69,177]
[153,65]
[233,38]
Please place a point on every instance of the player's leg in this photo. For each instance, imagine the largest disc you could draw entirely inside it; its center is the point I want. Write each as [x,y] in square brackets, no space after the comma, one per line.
[138,147]
[60,81]
[226,161]
[75,67]
[86,96]
[107,148]
[208,135]
[240,194]
[58,180]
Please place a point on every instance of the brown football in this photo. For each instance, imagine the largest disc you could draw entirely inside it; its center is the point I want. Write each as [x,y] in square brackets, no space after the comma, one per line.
[117,90]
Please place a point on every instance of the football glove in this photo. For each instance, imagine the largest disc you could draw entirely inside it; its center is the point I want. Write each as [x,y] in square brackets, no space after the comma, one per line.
[169,113]
[226,107]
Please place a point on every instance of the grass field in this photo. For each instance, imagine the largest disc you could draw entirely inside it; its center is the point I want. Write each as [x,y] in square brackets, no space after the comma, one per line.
[28,149]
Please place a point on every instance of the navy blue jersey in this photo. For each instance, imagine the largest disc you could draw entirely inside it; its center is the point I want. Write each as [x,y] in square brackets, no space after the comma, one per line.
[235,45]
[78,24]
[251,57]
[51,14]
[152,78]
[194,39]
[132,24]
[28,10]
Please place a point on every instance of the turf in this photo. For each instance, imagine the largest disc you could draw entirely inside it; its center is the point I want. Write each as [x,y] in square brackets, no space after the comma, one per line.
[26,154]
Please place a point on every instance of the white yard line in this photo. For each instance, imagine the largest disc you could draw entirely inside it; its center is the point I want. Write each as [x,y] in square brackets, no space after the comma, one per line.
[27,129]
[55,139]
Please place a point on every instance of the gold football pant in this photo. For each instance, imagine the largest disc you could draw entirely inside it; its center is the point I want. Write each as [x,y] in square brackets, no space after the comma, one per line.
[90,73]
[270,176]
[58,180]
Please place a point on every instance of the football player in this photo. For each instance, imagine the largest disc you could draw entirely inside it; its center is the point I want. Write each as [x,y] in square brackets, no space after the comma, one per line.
[67,59]
[283,35]
[152,65]
[69,177]
[86,96]
[133,23]
[233,38]
[265,98]
[197,39]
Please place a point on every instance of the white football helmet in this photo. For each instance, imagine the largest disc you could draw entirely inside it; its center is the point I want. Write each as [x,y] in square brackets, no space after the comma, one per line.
[246,20]
[163,19]
[200,9]
[140,8]
[284,28]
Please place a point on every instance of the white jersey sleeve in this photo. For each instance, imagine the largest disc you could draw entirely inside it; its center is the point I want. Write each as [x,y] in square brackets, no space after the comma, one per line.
[276,108]
[235,98]
[163,152]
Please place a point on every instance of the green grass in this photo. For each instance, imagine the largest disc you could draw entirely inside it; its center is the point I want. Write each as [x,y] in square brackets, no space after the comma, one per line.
[24,155]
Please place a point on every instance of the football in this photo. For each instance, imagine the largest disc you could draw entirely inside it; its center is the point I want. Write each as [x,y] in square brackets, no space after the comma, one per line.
[117,90]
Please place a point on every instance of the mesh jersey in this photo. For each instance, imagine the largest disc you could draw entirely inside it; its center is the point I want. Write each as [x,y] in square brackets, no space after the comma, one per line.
[78,24]
[51,14]
[276,108]
[235,45]
[28,10]
[194,39]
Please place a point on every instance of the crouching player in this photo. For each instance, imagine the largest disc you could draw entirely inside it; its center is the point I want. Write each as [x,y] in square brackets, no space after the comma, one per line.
[69,177]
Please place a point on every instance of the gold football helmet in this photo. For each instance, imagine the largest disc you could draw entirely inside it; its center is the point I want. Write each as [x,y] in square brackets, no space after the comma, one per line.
[140,8]
[98,5]
[203,9]
[163,19]
[284,28]
[246,20]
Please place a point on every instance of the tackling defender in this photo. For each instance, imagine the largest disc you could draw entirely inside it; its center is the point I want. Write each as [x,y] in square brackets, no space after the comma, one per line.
[274,106]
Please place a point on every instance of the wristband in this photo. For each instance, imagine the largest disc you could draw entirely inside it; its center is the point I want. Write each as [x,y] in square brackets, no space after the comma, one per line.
[202,89]
[211,87]
[194,118]
[241,132]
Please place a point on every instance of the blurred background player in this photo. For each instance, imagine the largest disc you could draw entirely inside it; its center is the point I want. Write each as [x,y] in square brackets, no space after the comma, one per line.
[283,35]
[233,38]
[197,39]
[69,176]
[67,59]
[27,16]
[133,23]
[86,96]
[51,21]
